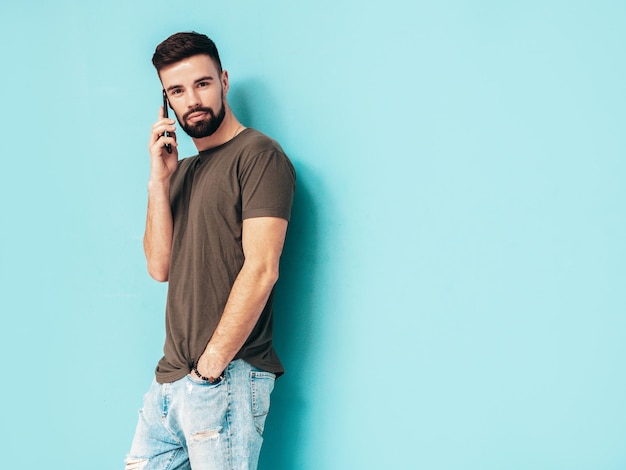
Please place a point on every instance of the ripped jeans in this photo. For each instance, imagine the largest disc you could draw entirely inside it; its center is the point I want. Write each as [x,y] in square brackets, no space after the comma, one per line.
[192,424]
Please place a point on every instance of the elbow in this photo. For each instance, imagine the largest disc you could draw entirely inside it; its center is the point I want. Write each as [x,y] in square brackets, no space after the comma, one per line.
[268,276]
[158,264]
[261,274]
[272,278]
[160,274]
[159,278]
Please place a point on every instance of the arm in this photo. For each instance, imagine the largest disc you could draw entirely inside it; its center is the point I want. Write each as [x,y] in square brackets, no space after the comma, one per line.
[157,240]
[262,239]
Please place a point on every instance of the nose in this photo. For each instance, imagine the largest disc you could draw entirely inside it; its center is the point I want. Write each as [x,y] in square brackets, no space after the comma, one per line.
[193,99]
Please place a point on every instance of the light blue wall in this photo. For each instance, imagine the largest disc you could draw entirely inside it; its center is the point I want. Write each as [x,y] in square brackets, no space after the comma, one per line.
[453,288]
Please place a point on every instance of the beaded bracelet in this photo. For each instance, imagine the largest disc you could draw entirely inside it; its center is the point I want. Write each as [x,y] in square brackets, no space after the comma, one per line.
[211,380]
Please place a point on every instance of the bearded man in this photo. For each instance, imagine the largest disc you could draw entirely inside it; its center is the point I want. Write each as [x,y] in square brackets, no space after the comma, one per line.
[215,229]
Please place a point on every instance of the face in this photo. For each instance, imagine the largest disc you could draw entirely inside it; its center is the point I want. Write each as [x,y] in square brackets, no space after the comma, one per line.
[196,91]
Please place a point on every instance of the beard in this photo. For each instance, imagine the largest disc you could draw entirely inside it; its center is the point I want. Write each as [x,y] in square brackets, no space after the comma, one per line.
[206,127]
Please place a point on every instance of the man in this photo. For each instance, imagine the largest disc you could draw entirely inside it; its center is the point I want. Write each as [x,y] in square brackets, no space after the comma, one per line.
[215,229]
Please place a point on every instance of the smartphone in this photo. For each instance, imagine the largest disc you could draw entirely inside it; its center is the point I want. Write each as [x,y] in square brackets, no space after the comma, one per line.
[165,114]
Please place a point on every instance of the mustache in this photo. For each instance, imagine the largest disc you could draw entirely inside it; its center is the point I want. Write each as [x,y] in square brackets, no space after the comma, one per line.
[199,109]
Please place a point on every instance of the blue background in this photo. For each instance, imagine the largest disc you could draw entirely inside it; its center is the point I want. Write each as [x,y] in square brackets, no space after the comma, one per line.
[452,290]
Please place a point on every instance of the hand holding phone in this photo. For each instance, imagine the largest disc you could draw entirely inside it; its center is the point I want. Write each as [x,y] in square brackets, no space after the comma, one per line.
[165,114]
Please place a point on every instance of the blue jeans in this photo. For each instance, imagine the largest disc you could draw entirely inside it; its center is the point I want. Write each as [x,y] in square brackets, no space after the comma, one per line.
[192,424]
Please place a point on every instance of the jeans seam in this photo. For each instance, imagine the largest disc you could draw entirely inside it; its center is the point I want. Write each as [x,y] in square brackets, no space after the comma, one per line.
[228,418]
[166,391]
[172,458]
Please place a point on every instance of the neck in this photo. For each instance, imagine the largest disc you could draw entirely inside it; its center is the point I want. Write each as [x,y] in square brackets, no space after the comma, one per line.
[227,130]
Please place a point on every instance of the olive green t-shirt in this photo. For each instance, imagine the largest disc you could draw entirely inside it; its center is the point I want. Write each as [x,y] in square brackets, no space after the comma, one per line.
[210,195]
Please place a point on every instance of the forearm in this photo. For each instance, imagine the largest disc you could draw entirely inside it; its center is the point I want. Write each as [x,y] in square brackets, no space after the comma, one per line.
[262,241]
[157,241]
[246,301]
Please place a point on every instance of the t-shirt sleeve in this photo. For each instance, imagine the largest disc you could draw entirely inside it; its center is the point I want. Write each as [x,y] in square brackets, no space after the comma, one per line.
[268,182]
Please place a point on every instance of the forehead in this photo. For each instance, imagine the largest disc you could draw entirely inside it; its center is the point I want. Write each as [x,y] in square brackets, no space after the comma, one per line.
[188,70]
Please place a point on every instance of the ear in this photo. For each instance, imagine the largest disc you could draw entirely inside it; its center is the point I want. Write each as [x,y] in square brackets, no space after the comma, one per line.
[225,83]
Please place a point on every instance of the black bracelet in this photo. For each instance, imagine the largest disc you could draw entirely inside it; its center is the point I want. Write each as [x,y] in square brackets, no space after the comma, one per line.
[211,380]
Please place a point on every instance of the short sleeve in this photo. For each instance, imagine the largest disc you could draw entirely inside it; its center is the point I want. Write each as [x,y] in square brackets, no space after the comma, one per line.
[268,182]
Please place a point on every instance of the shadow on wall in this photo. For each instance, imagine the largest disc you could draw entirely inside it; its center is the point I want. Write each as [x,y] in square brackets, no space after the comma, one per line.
[294,318]
[293,303]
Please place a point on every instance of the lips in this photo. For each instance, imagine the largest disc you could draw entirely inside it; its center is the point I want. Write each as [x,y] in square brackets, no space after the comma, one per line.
[195,117]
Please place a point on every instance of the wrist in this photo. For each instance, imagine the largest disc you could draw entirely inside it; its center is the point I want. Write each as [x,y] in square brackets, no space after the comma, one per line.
[158,185]
[210,378]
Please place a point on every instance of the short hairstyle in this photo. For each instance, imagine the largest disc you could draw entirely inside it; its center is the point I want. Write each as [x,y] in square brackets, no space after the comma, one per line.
[181,46]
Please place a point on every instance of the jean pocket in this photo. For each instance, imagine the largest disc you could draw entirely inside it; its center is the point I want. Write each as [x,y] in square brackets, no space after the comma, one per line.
[198,381]
[261,384]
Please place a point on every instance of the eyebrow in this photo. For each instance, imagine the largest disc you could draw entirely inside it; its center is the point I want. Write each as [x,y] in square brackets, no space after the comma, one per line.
[202,79]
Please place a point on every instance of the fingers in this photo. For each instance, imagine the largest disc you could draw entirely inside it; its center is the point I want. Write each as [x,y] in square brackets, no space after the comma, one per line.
[157,145]
[160,127]
[163,124]
[163,132]
[162,163]
[160,157]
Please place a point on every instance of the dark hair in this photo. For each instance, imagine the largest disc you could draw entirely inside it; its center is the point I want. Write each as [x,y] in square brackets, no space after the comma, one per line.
[180,46]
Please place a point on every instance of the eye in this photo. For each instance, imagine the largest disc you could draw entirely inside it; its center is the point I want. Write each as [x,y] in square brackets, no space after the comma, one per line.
[203,84]
[175,91]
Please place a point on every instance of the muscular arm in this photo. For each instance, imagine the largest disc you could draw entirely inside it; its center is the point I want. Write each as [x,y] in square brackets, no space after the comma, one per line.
[157,240]
[262,239]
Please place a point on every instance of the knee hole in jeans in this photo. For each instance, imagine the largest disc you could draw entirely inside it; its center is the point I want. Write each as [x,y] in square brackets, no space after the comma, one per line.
[135,464]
